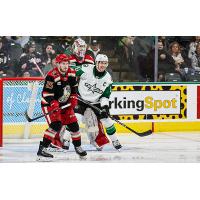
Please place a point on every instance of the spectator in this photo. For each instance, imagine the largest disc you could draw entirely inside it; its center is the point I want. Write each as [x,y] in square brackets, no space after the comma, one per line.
[47,56]
[26,74]
[4,60]
[63,44]
[94,48]
[165,62]
[21,40]
[30,61]
[195,59]
[141,48]
[192,46]
[181,63]
[165,41]
[127,43]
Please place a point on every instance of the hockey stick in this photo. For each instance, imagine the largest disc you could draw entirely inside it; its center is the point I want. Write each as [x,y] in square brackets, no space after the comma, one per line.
[35,63]
[141,134]
[33,119]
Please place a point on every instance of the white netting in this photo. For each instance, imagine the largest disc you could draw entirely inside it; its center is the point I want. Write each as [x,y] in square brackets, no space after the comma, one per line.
[19,96]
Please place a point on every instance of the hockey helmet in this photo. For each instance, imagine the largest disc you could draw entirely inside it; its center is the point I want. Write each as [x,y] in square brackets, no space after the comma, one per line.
[79,47]
[62,58]
[101,58]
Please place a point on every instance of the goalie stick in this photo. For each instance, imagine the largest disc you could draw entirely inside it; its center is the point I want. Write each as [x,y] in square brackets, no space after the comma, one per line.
[141,134]
[33,119]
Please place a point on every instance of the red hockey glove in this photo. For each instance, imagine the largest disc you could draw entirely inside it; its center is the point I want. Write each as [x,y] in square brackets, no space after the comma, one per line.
[54,104]
[73,100]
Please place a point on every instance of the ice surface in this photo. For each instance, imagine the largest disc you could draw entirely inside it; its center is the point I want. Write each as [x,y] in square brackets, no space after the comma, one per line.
[161,147]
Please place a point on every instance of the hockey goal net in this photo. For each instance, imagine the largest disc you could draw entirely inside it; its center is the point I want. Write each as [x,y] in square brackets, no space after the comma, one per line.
[19,95]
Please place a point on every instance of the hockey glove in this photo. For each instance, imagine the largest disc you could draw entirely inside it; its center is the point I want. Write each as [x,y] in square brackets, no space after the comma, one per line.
[73,100]
[105,111]
[54,105]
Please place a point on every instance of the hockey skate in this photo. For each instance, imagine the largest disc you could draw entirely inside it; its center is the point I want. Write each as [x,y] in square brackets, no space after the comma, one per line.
[42,154]
[117,145]
[82,154]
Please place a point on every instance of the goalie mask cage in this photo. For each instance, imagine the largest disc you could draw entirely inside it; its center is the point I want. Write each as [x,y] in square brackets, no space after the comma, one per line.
[17,96]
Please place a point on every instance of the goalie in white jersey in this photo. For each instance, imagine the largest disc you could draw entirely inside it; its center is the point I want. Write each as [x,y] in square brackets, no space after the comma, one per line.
[95,87]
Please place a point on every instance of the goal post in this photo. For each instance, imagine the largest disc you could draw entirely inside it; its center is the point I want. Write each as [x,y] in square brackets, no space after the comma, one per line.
[19,95]
[1,113]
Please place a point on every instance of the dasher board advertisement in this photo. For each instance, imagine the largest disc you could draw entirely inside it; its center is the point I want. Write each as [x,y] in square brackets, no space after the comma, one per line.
[149,102]
[145,102]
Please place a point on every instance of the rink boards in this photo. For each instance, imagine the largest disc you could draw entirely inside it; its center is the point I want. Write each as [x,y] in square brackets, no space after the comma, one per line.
[37,130]
[161,107]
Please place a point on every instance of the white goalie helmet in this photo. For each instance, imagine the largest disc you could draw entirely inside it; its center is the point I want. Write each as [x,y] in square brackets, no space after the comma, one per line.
[79,47]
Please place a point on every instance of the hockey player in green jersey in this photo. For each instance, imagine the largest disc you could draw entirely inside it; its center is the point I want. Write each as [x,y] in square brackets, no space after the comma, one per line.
[95,87]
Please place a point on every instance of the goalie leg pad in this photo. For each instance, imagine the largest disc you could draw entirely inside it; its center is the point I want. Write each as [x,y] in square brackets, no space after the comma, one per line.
[65,137]
[95,132]
[91,124]
[62,133]
[91,120]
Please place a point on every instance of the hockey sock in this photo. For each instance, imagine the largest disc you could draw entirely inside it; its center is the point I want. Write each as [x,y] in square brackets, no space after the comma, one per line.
[111,130]
[76,138]
[113,137]
[76,143]
[46,142]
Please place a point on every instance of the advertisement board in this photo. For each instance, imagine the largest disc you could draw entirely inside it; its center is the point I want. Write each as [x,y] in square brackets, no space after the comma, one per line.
[147,102]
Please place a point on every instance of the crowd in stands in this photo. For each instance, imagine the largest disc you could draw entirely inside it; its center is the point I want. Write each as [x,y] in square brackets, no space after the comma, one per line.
[178,57]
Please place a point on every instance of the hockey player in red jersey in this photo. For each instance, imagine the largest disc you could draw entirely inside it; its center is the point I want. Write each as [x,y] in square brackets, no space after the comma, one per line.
[60,88]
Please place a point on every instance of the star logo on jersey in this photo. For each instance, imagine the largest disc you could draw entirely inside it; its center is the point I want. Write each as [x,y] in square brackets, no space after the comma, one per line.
[93,88]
